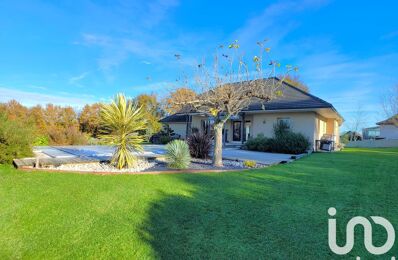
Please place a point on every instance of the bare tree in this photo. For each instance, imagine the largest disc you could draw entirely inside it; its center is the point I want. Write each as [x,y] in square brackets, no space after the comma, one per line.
[356,123]
[229,84]
[390,104]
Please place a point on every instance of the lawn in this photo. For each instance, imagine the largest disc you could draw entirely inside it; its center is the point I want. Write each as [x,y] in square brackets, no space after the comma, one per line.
[279,212]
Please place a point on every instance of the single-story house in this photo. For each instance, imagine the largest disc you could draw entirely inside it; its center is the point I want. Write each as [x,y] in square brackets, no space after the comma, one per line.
[371,133]
[305,113]
[389,128]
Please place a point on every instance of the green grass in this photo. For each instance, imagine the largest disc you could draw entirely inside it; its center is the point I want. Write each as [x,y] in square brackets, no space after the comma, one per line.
[279,212]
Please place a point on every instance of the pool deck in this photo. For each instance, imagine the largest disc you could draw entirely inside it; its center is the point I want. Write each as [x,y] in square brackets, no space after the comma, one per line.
[74,154]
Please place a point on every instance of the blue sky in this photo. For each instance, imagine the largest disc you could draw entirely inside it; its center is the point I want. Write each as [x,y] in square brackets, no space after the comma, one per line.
[76,52]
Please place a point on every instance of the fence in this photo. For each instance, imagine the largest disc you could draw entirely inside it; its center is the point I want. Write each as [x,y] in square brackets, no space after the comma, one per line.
[373,143]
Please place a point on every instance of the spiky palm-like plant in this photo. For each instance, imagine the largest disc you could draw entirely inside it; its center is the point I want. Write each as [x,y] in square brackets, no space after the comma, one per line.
[122,120]
[177,154]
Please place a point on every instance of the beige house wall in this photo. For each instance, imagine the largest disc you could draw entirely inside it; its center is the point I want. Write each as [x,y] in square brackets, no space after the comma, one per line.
[196,121]
[321,126]
[179,128]
[332,128]
[301,122]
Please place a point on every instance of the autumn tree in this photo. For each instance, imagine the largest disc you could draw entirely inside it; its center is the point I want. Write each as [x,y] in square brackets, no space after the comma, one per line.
[152,113]
[53,124]
[37,115]
[89,119]
[15,111]
[173,102]
[229,84]
[62,125]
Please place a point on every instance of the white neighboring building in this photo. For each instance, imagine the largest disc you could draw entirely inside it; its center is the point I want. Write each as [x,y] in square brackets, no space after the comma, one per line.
[389,128]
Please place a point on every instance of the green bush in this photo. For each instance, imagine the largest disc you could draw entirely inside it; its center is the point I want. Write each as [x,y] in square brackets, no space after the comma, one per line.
[293,143]
[41,141]
[284,141]
[199,145]
[16,139]
[259,143]
[281,128]
[177,154]
[164,139]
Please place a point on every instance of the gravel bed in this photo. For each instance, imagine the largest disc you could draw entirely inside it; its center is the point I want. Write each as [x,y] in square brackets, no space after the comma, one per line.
[207,164]
[228,164]
[142,165]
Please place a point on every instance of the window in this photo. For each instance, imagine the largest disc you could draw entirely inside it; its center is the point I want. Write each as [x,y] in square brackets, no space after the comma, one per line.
[322,127]
[285,120]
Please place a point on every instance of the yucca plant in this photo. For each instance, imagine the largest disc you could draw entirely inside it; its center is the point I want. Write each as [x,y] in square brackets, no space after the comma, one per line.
[177,155]
[121,121]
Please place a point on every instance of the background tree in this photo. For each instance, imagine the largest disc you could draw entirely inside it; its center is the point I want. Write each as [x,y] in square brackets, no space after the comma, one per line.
[173,102]
[121,121]
[37,115]
[390,104]
[15,111]
[16,139]
[356,124]
[89,119]
[296,81]
[152,113]
[62,125]
[229,85]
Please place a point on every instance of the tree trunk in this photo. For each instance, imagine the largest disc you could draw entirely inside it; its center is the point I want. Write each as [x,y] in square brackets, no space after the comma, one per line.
[217,154]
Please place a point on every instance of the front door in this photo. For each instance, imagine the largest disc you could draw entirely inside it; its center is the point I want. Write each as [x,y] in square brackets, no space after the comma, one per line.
[236,131]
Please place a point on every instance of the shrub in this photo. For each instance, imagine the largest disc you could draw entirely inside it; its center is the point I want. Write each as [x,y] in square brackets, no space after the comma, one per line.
[16,139]
[41,141]
[177,154]
[293,143]
[199,145]
[249,164]
[164,136]
[164,139]
[75,137]
[284,141]
[259,143]
[281,128]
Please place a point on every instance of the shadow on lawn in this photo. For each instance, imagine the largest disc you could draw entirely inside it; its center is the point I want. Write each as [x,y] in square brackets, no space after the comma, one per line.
[232,215]
[277,213]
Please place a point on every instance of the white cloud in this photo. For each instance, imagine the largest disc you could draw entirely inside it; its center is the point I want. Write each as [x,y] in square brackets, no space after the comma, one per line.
[157,11]
[161,88]
[75,80]
[275,21]
[32,98]
[37,87]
